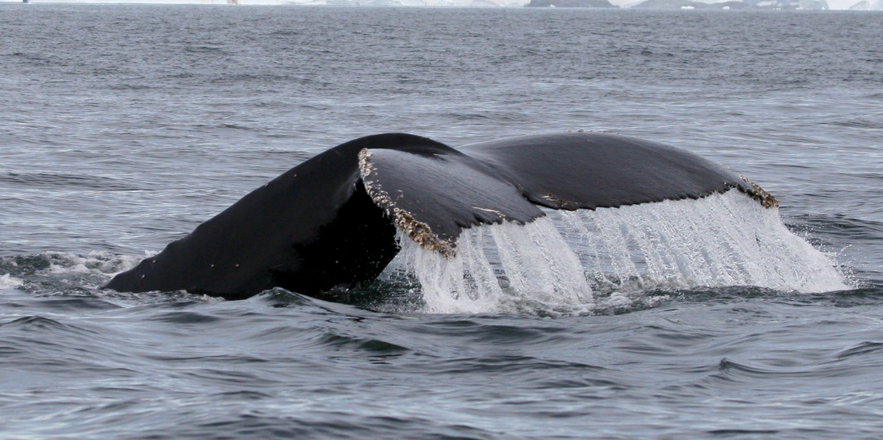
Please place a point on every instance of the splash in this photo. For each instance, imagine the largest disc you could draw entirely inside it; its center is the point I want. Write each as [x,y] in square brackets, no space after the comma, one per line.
[494,266]
[63,271]
[558,261]
[718,241]
[8,282]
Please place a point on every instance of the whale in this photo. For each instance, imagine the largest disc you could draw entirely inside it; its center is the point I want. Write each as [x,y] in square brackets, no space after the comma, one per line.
[334,219]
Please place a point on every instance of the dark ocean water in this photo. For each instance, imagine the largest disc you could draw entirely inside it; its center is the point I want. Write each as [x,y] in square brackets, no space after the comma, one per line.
[124,127]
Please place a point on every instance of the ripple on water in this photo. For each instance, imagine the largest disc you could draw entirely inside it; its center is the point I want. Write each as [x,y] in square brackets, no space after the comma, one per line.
[124,127]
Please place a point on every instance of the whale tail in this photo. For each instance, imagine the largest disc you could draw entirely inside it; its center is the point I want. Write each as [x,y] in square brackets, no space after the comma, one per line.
[333,219]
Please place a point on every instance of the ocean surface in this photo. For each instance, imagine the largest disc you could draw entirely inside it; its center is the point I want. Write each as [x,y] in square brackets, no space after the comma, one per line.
[123,127]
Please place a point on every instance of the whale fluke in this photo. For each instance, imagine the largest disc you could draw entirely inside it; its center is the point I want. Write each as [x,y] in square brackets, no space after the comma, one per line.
[431,198]
[598,170]
[332,220]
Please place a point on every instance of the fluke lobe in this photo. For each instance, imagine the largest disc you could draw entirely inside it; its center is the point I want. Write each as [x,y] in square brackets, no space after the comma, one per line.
[332,220]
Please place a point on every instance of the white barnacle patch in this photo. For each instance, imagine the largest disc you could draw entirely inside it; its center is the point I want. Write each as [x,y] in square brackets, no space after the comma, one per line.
[493,211]
[420,232]
[374,189]
[365,167]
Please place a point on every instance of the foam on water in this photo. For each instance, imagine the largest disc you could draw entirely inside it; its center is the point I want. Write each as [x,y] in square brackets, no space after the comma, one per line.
[96,262]
[557,261]
[8,282]
[63,270]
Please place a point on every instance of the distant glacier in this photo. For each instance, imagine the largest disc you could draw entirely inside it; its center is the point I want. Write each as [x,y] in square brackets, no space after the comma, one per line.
[644,4]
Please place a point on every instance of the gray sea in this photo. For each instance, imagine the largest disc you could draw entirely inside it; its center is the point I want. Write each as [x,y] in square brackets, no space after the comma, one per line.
[123,127]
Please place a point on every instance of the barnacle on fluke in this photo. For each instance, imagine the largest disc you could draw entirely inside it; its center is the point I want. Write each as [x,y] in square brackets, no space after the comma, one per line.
[757,193]
[563,204]
[416,230]
[334,219]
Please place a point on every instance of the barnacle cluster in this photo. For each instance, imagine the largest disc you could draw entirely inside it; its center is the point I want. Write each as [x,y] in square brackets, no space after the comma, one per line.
[562,204]
[422,234]
[757,193]
[416,230]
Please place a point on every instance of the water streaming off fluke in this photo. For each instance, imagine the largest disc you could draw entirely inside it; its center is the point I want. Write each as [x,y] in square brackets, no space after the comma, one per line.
[720,240]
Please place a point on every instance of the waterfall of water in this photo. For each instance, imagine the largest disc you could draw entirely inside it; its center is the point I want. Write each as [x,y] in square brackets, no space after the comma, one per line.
[720,240]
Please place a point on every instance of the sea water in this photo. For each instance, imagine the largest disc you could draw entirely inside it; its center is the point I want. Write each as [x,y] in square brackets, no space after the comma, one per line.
[123,127]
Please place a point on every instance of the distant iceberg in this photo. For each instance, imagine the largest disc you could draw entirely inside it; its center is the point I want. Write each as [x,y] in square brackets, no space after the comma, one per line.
[867,5]
[745,4]
[571,4]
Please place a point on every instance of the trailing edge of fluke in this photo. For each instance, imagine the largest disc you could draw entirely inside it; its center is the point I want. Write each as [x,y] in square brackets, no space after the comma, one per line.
[332,220]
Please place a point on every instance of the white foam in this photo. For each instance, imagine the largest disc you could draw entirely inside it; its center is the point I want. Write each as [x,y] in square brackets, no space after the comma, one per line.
[556,262]
[9,282]
[97,262]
